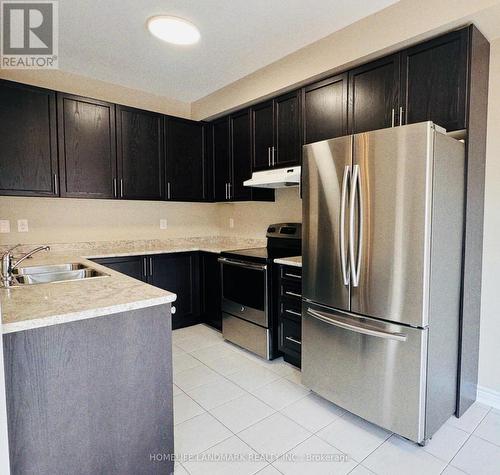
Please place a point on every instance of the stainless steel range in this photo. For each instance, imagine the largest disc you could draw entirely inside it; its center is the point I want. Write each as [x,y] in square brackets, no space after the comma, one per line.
[248,316]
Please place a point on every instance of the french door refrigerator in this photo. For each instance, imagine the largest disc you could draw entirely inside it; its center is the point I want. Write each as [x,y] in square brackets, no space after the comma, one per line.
[382,250]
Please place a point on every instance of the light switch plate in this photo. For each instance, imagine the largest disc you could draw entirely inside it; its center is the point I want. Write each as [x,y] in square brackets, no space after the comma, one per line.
[231,222]
[163,224]
[22,225]
[4,226]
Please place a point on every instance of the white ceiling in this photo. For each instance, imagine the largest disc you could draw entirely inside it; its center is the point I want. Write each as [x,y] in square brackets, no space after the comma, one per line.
[108,40]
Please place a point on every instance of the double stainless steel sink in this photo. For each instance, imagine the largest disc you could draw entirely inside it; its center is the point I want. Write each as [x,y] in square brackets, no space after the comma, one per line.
[54,273]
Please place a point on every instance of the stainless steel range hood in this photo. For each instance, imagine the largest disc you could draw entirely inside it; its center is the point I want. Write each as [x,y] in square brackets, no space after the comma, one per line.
[278,178]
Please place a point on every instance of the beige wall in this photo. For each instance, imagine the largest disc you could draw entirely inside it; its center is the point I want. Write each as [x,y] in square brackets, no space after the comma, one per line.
[84,86]
[52,220]
[405,22]
[251,219]
[66,220]
[489,356]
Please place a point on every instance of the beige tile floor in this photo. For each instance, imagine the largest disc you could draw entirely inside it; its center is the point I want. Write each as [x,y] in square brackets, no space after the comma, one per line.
[239,414]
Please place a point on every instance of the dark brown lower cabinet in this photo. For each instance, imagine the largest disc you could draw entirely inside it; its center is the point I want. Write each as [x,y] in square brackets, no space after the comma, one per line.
[290,313]
[177,272]
[133,266]
[92,396]
[210,289]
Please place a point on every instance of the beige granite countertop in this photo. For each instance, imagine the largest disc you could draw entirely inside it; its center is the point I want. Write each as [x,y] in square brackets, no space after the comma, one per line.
[290,261]
[40,305]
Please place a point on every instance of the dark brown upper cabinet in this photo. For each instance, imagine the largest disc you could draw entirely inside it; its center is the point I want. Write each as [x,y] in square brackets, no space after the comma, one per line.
[276,130]
[374,95]
[221,157]
[263,135]
[434,79]
[28,141]
[87,147]
[241,151]
[325,109]
[232,158]
[140,154]
[186,165]
[288,140]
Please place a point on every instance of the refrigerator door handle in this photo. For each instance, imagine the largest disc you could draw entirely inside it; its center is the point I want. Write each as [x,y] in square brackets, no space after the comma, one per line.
[356,192]
[343,202]
[357,327]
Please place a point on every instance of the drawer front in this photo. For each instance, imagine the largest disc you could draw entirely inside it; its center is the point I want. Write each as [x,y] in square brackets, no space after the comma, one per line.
[291,289]
[291,308]
[373,369]
[291,273]
[290,336]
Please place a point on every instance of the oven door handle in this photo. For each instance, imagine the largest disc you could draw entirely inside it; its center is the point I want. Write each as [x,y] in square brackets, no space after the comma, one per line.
[246,265]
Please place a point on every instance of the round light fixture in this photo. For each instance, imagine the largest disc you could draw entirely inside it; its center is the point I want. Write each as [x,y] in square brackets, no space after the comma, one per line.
[173,30]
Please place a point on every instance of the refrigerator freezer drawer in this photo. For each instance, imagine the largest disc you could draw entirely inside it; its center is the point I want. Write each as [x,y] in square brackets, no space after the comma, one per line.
[372,369]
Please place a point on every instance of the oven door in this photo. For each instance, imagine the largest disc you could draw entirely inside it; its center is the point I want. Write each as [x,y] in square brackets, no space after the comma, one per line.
[244,290]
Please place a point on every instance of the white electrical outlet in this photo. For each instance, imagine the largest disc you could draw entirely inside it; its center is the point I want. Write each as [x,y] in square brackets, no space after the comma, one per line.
[231,222]
[163,224]
[4,226]
[22,225]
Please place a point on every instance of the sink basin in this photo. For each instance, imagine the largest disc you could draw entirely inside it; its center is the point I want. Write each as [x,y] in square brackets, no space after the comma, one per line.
[55,273]
[49,268]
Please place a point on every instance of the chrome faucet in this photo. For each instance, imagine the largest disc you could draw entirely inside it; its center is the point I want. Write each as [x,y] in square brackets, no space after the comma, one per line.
[8,265]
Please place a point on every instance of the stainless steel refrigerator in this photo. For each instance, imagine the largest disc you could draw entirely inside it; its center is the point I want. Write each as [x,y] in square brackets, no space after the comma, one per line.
[382,252]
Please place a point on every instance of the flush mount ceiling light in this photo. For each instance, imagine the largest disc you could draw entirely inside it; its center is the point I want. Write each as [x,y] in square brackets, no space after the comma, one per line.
[173,30]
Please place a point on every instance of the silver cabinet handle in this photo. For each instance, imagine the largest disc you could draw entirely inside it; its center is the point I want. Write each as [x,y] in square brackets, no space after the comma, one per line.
[245,265]
[144,267]
[121,187]
[295,276]
[358,327]
[115,188]
[269,156]
[393,117]
[151,266]
[293,340]
[226,192]
[168,190]
[273,160]
[401,116]
[355,192]
[173,310]
[293,294]
[229,191]
[343,201]
[56,185]
[293,312]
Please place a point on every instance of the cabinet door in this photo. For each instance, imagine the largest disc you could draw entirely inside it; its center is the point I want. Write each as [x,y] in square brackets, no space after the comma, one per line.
[133,266]
[263,135]
[185,163]
[140,154]
[221,156]
[178,273]
[434,82]
[241,151]
[87,148]
[28,147]
[210,289]
[288,144]
[325,109]
[374,95]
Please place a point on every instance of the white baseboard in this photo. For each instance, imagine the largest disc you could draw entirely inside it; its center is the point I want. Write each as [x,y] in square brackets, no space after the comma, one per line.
[488,396]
